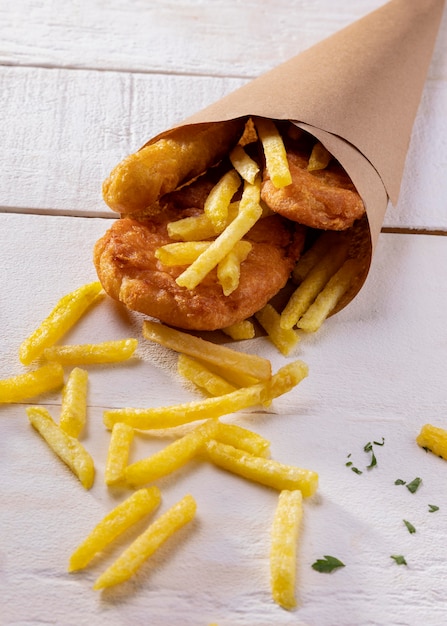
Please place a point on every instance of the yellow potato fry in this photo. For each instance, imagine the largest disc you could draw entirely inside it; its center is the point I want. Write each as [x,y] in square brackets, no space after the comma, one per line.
[240,330]
[118,453]
[23,386]
[170,458]
[229,269]
[238,379]
[283,557]
[219,198]
[88,353]
[232,360]
[285,339]
[243,164]
[201,376]
[74,403]
[319,158]
[275,152]
[116,522]
[169,416]
[434,439]
[181,252]
[148,542]
[67,448]
[307,291]
[261,470]
[198,227]
[249,213]
[326,300]
[310,258]
[64,315]
[242,438]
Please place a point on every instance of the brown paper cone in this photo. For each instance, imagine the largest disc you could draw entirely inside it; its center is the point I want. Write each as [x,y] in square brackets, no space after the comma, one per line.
[357,91]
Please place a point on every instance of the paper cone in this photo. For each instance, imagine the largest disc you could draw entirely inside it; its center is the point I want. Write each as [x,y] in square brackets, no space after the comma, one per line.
[357,91]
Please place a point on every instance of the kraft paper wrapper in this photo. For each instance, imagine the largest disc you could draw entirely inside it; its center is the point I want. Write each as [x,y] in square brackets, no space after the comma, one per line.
[358,92]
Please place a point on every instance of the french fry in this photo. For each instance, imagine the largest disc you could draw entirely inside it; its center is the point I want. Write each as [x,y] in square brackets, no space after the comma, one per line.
[261,470]
[148,542]
[319,158]
[229,269]
[221,356]
[242,438]
[219,198]
[310,258]
[249,213]
[64,315]
[88,353]
[247,168]
[118,453]
[274,151]
[198,227]
[67,448]
[74,403]
[49,377]
[240,330]
[169,416]
[283,557]
[114,524]
[327,299]
[201,376]
[170,458]
[307,291]
[434,439]
[285,339]
[181,252]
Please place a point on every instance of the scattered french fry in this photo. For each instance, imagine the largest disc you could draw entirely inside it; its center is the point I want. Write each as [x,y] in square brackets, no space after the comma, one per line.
[283,557]
[285,339]
[148,542]
[67,448]
[261,470]
[327,299]
[201,376]
[49,377]
[118,453]
[283,381]
[64,315]
[319,158]
[229,269]
[219,199]
[249,213]
[122,517]
[222,356]
[89,353]
[315,253]
[244,164]
[198,227]
[240,330]
[434,439]
[74,403]
[170,458]
[274,151]
[242,438]
[181,252]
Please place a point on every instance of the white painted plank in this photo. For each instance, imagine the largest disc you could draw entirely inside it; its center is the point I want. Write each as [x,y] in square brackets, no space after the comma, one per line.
[65,130]
[376,370]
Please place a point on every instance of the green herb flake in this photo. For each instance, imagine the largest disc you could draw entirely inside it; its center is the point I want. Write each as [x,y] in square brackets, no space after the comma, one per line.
[356,470]
[432,508]
[400,560]
[378,443]
[327,565]
[414,485]
[348,464]
[399,481]
[411,528]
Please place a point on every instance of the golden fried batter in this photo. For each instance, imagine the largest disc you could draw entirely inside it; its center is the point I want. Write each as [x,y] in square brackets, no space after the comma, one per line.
[324,199]
[160,167]
[129,272]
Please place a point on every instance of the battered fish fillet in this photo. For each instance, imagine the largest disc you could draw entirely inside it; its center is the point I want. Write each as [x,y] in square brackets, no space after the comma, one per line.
[129,272]
[160,167]
[324,199]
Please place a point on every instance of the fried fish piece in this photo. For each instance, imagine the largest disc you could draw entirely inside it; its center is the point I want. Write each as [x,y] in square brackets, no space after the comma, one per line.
[325,199]
[129,271]
[158,168]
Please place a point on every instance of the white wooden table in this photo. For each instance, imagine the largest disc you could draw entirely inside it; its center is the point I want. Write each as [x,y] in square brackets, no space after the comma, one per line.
[82,84]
